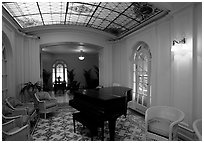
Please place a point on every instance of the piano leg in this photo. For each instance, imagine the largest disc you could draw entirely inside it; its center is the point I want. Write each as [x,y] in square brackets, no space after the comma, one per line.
[111,124]
[74,125]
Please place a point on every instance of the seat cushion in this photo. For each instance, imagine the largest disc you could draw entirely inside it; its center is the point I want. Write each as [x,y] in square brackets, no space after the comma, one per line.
[50,103]
[14,102]
[29,109]
[159,126]
[13,129]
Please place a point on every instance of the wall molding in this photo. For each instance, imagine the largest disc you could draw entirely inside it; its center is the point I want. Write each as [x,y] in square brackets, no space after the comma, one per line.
[186,133]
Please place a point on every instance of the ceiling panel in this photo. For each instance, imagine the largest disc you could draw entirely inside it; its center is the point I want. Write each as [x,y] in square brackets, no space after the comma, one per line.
[116,18]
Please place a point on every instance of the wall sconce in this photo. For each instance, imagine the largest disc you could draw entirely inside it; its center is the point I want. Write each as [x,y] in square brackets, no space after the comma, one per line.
[81,57]
[183,41]
[181,47]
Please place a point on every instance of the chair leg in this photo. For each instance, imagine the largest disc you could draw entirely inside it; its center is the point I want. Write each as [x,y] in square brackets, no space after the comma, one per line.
[45,115]
[102,138]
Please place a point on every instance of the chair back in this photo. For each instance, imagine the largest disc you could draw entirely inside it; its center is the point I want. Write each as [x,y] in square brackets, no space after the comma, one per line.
[165,112]
[12,102]
[42,95]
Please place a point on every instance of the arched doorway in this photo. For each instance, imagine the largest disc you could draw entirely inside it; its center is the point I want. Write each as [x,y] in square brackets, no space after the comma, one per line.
[7,75]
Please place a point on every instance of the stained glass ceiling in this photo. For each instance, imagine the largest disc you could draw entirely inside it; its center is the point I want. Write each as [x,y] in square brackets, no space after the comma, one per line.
[117,18]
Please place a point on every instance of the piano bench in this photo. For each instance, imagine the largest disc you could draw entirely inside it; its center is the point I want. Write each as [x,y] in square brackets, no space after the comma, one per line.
[91,122]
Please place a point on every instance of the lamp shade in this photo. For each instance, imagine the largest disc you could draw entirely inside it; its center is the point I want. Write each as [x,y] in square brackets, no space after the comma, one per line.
[81,57]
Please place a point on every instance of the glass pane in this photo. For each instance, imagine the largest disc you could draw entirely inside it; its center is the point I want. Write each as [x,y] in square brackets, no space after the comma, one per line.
[145,101]
[122,6]
[139,99]
[52,7]
[53,75]
[66,78]
[104,24]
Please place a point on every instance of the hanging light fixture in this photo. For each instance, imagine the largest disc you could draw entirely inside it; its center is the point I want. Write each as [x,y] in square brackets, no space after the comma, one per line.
[81,57]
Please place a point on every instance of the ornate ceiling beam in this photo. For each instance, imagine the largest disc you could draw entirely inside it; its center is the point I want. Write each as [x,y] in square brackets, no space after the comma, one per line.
[93,14]
[67,6]
[40,13]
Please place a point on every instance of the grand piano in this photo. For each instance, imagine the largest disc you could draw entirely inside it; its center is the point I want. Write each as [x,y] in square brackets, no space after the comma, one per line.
[106,103]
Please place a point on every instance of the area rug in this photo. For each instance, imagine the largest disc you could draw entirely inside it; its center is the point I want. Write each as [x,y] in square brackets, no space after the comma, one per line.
[59,127]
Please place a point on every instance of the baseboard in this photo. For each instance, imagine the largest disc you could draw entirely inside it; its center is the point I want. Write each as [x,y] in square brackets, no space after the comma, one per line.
[137,107]
[186,133]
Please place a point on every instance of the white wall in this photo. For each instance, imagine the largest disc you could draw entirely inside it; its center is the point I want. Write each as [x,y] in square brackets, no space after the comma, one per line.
[23,62]
[174,81]
[182,68]
[197,63]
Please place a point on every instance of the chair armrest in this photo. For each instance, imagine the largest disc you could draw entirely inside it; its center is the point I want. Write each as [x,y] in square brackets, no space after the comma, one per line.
[8,118]
[37,98]
[175,124]
[180,119]
[23,133]
[19,130]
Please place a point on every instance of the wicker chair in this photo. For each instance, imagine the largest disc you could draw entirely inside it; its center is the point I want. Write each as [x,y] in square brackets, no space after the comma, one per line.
[162,123]
[21,108]
[45,103]
[197,127]
[14,130]
[24,119]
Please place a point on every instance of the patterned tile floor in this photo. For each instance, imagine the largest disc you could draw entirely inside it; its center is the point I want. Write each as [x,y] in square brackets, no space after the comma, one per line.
[59,127]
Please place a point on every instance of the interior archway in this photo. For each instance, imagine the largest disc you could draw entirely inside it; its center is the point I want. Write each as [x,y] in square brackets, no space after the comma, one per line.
[7,68]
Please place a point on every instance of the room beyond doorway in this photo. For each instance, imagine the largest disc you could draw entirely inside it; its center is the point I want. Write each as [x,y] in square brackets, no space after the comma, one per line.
[86,72]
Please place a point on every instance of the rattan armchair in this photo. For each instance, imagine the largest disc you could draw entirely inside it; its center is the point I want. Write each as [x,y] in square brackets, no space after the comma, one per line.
[14,130]
[161,123]
[45,103]
[21,108]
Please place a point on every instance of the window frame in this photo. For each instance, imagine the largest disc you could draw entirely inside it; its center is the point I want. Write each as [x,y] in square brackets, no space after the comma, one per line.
[141,50]
[54,71]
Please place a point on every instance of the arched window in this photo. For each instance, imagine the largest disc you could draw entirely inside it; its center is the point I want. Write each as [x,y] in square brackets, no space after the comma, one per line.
[141,76]
[59,72]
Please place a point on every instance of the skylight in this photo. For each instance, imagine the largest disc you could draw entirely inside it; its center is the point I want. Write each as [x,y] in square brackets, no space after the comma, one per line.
[116,18]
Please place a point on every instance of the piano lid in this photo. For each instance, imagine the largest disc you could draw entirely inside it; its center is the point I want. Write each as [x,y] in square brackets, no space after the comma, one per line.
[106,93]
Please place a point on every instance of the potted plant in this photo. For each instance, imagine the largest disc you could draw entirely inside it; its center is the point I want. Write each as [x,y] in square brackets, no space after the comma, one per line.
[29,89]
[72,84]
[87,75]
[46,78]
[91,82]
